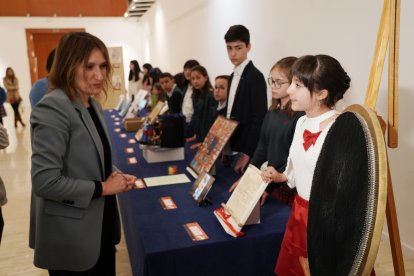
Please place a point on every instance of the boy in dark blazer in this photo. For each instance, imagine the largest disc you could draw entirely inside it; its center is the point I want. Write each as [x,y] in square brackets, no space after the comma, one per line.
[247,97]
[174,94]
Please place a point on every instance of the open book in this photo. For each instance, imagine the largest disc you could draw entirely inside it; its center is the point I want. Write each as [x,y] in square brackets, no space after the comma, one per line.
[243,207]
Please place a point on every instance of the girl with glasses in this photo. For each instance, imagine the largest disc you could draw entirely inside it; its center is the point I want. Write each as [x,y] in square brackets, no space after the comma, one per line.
[277,131]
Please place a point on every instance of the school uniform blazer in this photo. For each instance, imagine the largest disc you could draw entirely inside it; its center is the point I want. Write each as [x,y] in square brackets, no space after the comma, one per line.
[249,109]
[67,156]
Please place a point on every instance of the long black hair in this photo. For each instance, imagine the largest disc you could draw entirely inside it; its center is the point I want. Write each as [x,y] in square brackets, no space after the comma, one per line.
[134,74]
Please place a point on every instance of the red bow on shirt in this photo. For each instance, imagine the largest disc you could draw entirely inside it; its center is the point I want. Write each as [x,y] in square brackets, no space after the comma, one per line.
[309,138]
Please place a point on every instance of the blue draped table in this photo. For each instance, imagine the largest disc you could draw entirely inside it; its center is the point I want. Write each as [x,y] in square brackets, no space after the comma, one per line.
[156,239]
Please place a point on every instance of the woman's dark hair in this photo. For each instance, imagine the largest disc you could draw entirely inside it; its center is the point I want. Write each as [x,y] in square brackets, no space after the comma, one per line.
[207,88]
[285,67]
[155,74]
[237,33]
[63,72]
[50,59]
[146,80]
[134,74]
[322,72]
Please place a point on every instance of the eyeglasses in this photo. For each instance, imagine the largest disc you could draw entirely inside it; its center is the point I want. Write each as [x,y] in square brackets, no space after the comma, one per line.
[276,83]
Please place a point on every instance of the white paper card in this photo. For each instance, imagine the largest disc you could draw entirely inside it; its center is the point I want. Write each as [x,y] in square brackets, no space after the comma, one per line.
[166,180]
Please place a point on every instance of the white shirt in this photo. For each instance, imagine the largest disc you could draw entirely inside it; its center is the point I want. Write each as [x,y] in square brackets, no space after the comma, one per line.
[301,164]
[188,108]
[221,105]
[237,72]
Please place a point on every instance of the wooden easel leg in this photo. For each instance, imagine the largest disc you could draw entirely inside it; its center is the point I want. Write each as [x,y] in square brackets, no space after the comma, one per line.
[393,231]
[392,222]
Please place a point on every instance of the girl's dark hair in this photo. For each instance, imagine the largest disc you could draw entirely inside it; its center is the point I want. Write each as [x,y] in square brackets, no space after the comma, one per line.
[226,77]
[134,75]
[162,96]
[63,72]
[191,63]
[285,67]
[146,80]
[180,80]
[155,74]
[322,72]
[207,88]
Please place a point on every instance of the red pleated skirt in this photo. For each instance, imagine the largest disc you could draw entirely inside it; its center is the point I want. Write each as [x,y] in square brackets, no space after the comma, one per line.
[294,242]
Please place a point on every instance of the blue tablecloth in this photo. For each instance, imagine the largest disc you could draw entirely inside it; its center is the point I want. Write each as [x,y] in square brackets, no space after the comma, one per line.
[156,239]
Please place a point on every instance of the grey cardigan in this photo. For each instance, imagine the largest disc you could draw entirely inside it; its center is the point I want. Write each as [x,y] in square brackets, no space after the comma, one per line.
[67,156]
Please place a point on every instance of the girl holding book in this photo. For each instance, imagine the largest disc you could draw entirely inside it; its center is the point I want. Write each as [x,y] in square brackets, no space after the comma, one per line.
[318,83]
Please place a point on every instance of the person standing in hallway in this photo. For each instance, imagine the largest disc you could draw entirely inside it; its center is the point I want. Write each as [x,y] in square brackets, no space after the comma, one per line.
[11,83]
[247,98]
[74,219]
[4,143]
[41,86]
[134,78]
[3,98]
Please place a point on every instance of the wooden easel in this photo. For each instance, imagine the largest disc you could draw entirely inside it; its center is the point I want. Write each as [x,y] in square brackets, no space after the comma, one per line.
[388,37]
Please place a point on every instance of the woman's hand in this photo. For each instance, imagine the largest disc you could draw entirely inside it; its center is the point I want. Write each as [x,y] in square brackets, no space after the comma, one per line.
[117,183]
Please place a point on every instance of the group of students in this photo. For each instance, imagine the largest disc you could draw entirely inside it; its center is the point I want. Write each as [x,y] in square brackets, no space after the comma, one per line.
[74,218]
[285,140]
[192,95]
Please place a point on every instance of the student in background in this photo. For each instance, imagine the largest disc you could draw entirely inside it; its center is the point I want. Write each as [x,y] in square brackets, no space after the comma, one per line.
[3,98]
[188,101]
[157,94]
[247,99]
[277,131]
[180,80]
[11,83]
[318,83]
[147,81]
[4,143]
[174,94]
[221,85]
[134,78]
[41,86]
[204,102]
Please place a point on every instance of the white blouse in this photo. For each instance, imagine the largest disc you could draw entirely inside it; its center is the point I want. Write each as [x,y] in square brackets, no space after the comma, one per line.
[301,163]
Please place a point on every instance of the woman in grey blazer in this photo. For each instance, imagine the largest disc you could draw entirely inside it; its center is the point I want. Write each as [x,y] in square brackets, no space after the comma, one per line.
[74,221]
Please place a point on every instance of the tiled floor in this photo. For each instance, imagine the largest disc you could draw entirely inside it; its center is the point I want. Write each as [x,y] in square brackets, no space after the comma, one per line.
[15,256]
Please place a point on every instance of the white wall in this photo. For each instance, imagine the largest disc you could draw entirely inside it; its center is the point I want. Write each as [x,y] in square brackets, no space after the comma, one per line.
[113,31]
[182,29]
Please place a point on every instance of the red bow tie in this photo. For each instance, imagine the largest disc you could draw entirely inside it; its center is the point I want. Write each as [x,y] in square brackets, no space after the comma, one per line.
[309,138]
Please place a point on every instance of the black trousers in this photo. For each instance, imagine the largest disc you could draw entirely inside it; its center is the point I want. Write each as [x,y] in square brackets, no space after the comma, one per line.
[104,266]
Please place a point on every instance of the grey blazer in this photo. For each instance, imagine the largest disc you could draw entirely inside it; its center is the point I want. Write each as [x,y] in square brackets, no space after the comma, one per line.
[67,156]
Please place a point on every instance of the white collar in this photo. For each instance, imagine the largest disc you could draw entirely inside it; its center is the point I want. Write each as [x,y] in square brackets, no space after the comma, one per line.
[238,70]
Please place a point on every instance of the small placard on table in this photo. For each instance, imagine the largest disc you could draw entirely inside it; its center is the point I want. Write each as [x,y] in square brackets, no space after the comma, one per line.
[195,231]
[167,203]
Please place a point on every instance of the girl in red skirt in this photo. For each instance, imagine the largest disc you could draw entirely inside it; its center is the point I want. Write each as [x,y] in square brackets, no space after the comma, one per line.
[318,83]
